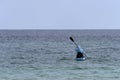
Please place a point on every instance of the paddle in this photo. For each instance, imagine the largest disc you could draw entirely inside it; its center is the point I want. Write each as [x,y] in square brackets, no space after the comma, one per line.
[73,41]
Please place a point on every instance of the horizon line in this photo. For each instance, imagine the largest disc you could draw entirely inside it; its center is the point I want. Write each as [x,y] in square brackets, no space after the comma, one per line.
[57,29]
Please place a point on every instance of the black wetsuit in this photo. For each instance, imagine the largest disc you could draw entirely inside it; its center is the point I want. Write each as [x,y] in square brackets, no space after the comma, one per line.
[79,55]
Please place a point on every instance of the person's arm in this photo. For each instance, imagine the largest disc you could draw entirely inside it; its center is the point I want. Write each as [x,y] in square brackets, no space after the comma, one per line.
[80,49]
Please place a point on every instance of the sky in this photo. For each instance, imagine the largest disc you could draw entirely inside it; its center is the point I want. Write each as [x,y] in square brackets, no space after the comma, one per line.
[59,14]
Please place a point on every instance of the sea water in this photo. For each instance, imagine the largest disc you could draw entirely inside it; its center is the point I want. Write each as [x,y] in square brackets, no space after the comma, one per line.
[50,55]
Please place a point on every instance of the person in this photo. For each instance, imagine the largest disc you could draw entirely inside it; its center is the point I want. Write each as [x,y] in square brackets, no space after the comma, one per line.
[80,52]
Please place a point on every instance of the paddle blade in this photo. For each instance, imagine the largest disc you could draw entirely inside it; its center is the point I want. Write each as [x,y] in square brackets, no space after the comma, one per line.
[71,39]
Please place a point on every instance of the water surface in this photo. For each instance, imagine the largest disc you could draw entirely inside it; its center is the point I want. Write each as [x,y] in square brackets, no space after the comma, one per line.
[49,55]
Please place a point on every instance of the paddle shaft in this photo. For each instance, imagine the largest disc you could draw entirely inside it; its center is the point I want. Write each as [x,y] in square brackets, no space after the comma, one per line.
[75,44]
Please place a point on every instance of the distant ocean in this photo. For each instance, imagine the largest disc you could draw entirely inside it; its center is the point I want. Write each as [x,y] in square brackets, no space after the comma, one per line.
[50,55]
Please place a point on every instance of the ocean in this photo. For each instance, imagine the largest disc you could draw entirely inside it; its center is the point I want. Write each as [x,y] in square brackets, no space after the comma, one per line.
[50,55]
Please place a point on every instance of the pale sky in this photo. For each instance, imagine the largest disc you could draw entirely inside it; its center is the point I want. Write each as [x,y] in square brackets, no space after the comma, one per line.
[59,14]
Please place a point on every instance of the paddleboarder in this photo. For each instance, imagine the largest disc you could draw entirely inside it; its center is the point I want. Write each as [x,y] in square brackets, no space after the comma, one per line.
[80,52]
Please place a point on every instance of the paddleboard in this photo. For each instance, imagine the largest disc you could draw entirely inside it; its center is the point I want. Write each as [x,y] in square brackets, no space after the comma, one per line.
[80,59]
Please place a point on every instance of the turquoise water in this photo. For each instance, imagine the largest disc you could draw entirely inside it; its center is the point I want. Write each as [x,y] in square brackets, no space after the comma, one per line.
[49,55]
